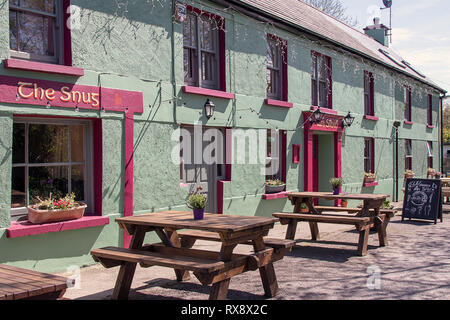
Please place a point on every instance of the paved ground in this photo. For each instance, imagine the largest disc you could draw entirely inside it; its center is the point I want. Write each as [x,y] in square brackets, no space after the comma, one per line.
[416,265]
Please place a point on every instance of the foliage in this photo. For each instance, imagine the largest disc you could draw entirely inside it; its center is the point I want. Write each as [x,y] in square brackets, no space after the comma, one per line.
[303,206]
[274,183]
[369,175]
[386,204]
[50,203]
[334,8]
[409,172]
[336,182]
[197,200]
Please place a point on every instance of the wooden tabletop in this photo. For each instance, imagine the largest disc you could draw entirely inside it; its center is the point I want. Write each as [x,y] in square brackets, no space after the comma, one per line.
[211,222]
[17,283]
[342,195]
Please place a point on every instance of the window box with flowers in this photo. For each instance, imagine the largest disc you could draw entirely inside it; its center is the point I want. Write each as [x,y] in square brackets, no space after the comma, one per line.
[369,177]
[56,210]
[275,186]
[409,174]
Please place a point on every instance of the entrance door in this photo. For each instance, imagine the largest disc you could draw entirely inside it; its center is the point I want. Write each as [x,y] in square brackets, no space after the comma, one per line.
[202,153]
[315,155]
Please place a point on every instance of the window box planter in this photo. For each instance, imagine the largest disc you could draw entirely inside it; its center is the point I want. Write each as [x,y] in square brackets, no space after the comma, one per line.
[409,175]
[369,180]
[37,216]
[275,189]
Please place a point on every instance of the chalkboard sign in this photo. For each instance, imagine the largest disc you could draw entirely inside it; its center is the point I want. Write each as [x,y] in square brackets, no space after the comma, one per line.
[423,199]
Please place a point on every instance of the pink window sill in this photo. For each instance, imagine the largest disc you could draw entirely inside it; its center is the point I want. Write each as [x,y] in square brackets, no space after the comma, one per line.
[430,126]
[272,196]
[208,92]
[371,184]
[372,118]
[278,103]
[42,67]
[409,123]
[324,110]
[24,228]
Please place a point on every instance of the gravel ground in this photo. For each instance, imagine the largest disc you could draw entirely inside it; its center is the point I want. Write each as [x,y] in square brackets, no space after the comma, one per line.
[415,265]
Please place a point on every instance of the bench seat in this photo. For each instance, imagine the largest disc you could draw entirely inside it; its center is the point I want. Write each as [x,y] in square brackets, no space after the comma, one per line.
[325,218]
[390,212]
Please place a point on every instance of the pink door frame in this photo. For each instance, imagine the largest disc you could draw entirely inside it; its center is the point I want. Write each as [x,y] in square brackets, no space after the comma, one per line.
[331,123]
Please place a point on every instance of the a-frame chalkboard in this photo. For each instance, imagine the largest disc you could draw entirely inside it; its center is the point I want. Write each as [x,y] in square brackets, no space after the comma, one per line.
[423,199]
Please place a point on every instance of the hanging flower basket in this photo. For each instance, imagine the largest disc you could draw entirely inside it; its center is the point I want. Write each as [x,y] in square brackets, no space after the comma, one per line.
[37,216]
[275,186]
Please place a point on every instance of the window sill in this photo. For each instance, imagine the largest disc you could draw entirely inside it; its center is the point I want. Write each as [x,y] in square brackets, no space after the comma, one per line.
[407,122]
[272,196]
[20,229]
[370,184]
[430,126]
[372,118]
[324,110]
[42,67]
[278,103]
[208,92]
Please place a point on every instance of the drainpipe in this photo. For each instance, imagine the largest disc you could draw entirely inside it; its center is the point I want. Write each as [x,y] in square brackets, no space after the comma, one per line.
[396,125]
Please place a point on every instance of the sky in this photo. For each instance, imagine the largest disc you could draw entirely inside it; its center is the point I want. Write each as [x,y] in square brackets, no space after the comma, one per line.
[420,32]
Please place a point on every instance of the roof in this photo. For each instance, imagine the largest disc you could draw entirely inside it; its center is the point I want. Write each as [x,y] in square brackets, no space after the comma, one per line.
[307,18]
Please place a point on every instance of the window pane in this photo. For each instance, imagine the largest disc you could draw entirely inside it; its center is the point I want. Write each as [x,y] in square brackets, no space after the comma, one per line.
[14,2]
[189,31]
[18,194]
[19,143]
[46,180]
[207,66]
[314,92]
[48,143]
[33,4]
[323,94]
[13,30]
[77,181]
[36,34]
[77,143]
[206,34]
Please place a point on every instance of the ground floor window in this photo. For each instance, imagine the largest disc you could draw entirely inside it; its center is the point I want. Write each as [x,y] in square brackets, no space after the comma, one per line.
[430,154]
[369,155]
[50,156]
[408,154]
[275,157]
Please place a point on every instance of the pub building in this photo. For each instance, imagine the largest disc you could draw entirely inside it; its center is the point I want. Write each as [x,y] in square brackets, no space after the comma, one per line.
[96,97]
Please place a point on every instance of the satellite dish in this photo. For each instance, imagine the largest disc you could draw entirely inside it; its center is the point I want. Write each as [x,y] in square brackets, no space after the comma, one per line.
[387,3]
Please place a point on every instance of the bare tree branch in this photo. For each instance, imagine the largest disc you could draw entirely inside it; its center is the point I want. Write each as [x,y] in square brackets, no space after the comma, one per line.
[334,8]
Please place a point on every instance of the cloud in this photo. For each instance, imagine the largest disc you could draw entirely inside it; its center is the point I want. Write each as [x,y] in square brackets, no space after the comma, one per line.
[415,7]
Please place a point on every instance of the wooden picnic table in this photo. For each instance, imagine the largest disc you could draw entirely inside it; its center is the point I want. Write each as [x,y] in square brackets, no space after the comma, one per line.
[216,268]
[366,217]
[17,283]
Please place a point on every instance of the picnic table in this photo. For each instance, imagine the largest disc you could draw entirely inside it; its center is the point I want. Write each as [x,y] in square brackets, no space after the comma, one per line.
[210,267]
[17,283]
[368,216]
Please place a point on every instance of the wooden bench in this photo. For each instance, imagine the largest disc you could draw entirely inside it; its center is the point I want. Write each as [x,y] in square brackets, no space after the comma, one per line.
[17,283]
[205,265]
[320,209]
[362,224]
[281,246]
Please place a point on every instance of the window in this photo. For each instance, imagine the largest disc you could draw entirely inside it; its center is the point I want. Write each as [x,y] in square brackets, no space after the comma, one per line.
[430,154]
[321,80]
[50,158]
[203,50]
[369,155]
[36,30]
[430,110]
[408,154]
[407,100]
[275,158]
[369,101]
[276,68]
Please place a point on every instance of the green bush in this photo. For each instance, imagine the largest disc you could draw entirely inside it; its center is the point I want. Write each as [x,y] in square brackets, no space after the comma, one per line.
[336,182]
[197,201]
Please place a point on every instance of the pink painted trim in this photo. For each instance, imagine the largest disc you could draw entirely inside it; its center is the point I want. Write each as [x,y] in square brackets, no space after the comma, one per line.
[128,176]
[220,195]
[42,67]
[228,153]
[371,184]
[372,118]
[430,126]
[25,228]
[98,166]
[208,92]
[183,185]
[284,156]
[272,196]
[67,34]
[278,103]
[324,110]
[296,154]
[407,122]
[338,159]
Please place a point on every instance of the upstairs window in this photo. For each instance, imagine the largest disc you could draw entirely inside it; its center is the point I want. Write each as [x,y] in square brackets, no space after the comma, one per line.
[203,50]
[36,30]
[369,101]
[408,154]
[407,100]
[430,154]
[321,80]
[276,68]
[369,155]
[430,110]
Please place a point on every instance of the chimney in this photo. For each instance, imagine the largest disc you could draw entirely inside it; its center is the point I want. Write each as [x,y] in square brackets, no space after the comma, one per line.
[379,32]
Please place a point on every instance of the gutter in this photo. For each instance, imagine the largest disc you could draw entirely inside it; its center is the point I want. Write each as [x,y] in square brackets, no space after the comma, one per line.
[261,15]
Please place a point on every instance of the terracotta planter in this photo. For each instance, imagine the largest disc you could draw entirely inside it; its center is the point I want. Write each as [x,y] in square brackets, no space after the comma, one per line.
[369,180]
[275,189]
[304,210]
[46,216]
[344,204]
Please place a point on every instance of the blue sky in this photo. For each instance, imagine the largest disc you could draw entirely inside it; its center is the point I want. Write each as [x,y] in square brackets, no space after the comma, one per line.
[421,32]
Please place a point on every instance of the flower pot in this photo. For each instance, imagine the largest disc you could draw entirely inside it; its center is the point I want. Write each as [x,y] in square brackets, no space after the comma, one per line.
[304,210]
[344,204]
[37,216]
[335,191]
[275,189]
[369,180]
[198,214]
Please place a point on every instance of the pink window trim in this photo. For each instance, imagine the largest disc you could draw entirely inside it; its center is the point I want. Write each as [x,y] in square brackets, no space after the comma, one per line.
[208,92]
[371,184]
[67,34]
[296,153]
[372,118]
[42,67]
[324,110]
[221,183]
[25,228]
[278,103]
[284,69]
[330,77]
[409,105]
[409,123]
[430,111]
[430,126]
[272,196]
[371,95]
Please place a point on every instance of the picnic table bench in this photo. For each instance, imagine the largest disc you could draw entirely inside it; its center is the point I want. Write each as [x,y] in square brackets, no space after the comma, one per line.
[17,283]
[367,217]
[210,267]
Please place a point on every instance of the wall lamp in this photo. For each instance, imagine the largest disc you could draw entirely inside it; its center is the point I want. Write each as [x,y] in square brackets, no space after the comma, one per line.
[317,116]
[348,120]
[209,108]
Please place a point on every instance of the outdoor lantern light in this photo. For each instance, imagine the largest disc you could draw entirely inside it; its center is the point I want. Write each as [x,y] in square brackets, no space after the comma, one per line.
[209,108]
[317,116]
[348,120]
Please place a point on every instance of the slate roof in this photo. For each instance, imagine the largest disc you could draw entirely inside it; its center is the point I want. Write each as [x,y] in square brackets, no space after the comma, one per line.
[309,19]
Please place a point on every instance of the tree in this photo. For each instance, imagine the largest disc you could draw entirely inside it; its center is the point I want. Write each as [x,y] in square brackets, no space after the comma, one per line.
[334,8]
